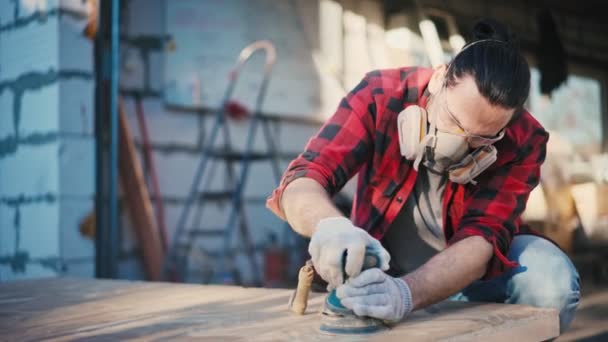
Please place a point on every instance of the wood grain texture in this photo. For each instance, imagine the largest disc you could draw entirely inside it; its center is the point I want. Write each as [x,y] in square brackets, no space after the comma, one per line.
[61,309]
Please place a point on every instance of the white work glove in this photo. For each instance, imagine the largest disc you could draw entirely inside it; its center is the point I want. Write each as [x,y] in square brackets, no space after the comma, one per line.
[333,237]
[374,293]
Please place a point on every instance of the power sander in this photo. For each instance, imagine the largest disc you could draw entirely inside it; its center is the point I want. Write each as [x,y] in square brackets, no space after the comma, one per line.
[335,317]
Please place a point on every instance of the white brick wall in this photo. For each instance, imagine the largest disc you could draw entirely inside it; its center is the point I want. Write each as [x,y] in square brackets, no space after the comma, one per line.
[145,17]
[39,228]
[38,49]
[131,269]
[175,171]
[39,110]
[76,51]
[163,127]
[46,185]
[32,170]
[261,179]
[6,118]
[157,60]
[77,110]
[73,244]
[7,230]
[293,137]
[80,269]
[33,271]
[75,5]
[132,69]
[77,167]
[7,10]
[76,154]
[29,7]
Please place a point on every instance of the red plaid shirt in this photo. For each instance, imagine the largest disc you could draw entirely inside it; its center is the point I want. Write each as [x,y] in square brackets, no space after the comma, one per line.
[362,137]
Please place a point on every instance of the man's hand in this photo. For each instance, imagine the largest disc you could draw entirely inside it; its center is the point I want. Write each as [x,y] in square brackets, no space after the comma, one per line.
[332,238]
[375,294]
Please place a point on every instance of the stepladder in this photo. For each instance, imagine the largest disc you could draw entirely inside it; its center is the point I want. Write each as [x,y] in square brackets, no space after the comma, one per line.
[234,234]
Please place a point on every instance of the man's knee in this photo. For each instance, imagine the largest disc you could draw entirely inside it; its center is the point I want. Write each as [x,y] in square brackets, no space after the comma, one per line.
[546,277]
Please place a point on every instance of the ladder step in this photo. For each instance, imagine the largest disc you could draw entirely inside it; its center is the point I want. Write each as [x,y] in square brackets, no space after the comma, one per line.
[216,195]
[206,232]
[237,156]
[186,246]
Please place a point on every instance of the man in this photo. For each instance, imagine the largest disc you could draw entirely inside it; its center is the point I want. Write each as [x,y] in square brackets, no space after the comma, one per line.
[446,159]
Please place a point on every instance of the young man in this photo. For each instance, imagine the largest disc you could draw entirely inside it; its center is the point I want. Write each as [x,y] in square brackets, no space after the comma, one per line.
[446,161]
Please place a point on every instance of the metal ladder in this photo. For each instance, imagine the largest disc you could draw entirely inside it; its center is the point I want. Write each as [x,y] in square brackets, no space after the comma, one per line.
[185,237]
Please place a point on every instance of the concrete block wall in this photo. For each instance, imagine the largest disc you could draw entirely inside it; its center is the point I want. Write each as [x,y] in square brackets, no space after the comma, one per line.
[77,148]
[46,139]
[178,138]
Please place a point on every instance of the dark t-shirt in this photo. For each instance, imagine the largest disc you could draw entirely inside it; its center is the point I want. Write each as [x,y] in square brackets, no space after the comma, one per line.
[416,234]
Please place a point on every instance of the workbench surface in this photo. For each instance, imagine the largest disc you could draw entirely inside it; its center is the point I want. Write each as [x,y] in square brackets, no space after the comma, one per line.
[68,309]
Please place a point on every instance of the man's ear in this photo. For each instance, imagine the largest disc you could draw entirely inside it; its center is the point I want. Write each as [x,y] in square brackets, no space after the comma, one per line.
[437,79]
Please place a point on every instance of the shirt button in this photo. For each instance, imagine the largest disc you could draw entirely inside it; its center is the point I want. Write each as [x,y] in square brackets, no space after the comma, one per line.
[399,199]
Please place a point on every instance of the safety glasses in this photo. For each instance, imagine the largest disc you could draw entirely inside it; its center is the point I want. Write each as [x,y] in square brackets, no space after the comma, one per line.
[472,139]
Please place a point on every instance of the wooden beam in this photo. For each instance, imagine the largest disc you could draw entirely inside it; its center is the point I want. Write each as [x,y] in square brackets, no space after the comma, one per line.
[138,201]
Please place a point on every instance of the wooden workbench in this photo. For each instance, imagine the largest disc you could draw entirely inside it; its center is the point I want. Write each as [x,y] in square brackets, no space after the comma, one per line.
[68,309]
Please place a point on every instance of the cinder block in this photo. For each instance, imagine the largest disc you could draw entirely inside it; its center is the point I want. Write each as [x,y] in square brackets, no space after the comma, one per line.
[293,137]
[175,172]
[7,12]
[6,273]
[79,269]
[145,17]
[263,223]
[75,5]
[29,7]
[72,243]
[77,106]
[77,167]
[33,169]
[155,71]
[261,179]
[32,271]
[172,214]
[132,68]
[6,113]
[39,229]
[76,50]
[239,131]
[165,127]
[131,269]
[40,110]
[39,49]
[7,230]
[209,215]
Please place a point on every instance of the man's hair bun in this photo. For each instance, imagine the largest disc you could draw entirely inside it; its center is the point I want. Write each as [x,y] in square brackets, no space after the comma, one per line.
[491,29]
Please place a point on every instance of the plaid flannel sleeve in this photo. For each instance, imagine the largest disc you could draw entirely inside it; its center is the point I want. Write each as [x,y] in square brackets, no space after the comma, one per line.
[494,209]
[338,150]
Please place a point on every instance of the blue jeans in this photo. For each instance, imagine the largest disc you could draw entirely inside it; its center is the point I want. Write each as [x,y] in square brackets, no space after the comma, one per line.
[545,278]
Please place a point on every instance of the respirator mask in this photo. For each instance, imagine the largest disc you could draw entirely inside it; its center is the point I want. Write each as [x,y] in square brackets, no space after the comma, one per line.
[441,152]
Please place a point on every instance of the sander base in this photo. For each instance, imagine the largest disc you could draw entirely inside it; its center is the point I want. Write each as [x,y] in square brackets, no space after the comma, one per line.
[337,319]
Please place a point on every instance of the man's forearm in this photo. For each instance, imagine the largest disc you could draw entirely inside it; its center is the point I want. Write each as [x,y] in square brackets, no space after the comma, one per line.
[449,271]
[305,202]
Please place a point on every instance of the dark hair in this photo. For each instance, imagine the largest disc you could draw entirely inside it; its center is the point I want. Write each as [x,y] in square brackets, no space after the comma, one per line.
[493,59]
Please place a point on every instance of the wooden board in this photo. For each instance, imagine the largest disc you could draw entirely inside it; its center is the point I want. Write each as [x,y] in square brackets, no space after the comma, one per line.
[67,309]
[138,200]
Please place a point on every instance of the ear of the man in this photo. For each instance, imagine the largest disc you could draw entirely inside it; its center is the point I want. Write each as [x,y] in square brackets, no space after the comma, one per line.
[437,79]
